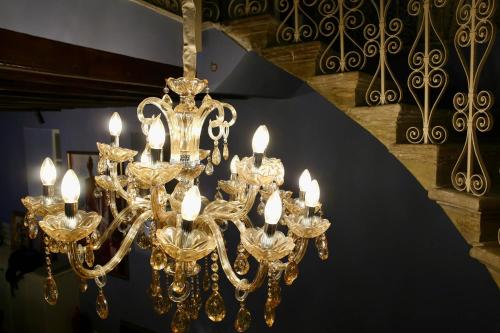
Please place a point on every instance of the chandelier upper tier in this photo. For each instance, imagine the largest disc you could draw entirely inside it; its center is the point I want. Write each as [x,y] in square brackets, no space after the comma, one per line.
[183,229]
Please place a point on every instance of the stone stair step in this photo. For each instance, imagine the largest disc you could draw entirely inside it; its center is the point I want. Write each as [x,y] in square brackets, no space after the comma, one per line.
[296,59]
[490,257]
[388,123]
[476,218]
[430,164]
[344,90]
[254,32]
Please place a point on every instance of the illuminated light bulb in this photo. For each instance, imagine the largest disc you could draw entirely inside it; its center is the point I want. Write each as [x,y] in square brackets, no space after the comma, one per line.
[260,139]
[115,124]
[312,194]
[191,204]
[273,209]
[48,173]
[70,187]
[234,164]
[156,134]
[304,180]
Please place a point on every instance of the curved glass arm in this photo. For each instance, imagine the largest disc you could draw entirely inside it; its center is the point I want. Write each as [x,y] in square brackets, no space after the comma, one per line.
[115,260]
[232,210]
[112,204]
[238,283]
[116,182]
[116,222]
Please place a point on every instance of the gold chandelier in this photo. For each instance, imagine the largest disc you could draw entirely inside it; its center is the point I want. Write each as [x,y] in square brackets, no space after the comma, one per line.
[183,227]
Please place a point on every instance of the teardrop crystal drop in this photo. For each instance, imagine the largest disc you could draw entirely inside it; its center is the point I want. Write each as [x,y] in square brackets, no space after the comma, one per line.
[89,255]
[225,152]
[33,230]
[322,246]
[102,305]
[50,291]
[180,322]
[269,314]
[291,272]
[143,241]
[241,264]
[209,169]
[159,305]
[216,156]
[215,308]
[243,320]
[158,259]
[274,295]
[83,285]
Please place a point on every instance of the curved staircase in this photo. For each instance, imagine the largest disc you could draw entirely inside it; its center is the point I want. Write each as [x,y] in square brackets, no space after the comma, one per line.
[476,218]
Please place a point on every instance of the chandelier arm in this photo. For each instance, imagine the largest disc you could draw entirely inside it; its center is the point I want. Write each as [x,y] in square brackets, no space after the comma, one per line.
[239,284]
[112,204]
[115,223]
[221,209]
[116,182]
[163,105]
[115,260]
[160,215]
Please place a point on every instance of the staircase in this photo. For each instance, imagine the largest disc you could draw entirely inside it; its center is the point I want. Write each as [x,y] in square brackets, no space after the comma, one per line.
[476,218]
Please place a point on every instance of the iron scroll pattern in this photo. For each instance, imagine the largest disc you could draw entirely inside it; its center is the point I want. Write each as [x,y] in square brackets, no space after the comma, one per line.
[245,8]
[383,40]
[338,20]
[427,57]
[297,24]
[475,36]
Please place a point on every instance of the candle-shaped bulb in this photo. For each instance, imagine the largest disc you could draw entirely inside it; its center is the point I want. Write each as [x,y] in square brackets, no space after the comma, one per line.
[70,187]
[260,139]
[304,180]
[48,172]
[156,134]
[312,194]
[273,209]
[115,124]
[191,204]
[234,164]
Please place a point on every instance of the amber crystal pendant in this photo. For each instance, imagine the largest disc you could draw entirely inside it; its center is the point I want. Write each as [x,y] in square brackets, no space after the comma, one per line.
[269,314]
[180,321]
[291,272]
[243,319]
[50,291]
[102,305]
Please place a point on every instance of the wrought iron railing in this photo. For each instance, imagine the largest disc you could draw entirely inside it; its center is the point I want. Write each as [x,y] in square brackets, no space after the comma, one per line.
[367,34]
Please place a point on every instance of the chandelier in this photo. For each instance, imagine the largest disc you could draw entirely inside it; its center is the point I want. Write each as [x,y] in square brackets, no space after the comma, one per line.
[183,229]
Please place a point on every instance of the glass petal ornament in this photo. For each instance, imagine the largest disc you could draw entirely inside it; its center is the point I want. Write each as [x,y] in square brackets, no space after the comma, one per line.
[225,151]
[215,308]
[102,305]
[209,169]
[243,319]
[50,291]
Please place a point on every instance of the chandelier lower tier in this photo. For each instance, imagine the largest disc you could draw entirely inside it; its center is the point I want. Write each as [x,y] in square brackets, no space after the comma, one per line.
[183,229]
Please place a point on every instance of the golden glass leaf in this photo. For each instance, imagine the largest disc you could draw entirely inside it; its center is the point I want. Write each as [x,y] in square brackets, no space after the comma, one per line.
[311,228]
[115,154]
[102,305]
[271,170]
[215,308]
[50,291]
[197,245]
[251,240]
[231,187]
[56,226]
[243,320]
[152,176]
